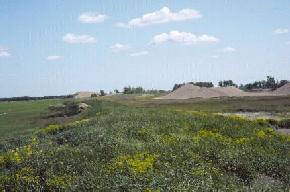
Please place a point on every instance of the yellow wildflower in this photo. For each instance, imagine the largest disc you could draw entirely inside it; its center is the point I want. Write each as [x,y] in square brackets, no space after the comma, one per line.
[138,163]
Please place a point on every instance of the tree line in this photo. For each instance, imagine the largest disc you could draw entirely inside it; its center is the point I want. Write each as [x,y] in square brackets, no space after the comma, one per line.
[269,83]
[141,90]
[27,98]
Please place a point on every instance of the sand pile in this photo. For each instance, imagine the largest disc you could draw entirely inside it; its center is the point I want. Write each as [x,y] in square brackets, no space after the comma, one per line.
[83,94]
[185,92]
[229,91]
[190,91]
[284,90]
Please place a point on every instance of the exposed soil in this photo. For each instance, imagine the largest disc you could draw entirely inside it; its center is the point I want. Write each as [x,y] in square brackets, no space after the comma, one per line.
[189,91]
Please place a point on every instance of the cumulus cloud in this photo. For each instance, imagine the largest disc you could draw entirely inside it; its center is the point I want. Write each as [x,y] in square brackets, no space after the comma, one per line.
[76,39]
[118,47]
[281,31]
[140,53]
[92,17]
[54,57]
[229,50]
[4,52]
[183,38]
[163,15]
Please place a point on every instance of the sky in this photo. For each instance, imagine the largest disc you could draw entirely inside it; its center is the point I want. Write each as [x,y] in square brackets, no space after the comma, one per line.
[59,47]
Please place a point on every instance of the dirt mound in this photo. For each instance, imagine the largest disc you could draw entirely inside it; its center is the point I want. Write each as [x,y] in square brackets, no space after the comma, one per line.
[185,92]
[228,91]
[83,94]
[284,90]
[189,91]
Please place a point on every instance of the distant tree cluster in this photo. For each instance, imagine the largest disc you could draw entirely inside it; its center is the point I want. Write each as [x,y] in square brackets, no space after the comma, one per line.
[133,90]
[102,93]
[269,83]
[203,84]
[227,83]
[140,90]
[200,84]
[26,98]
[94,95]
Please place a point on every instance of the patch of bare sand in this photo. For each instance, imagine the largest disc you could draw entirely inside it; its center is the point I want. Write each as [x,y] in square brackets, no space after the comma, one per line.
[83,94]
[284,90]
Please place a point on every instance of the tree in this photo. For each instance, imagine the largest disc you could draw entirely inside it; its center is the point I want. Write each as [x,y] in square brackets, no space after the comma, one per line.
[94,95]
[270,83]
[138,90]
[227,83]
[127,90]
[116,91]
[133,90]
[102,93]
[203,84]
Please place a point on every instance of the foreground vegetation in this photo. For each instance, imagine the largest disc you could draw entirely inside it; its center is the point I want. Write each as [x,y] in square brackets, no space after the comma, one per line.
[118,147]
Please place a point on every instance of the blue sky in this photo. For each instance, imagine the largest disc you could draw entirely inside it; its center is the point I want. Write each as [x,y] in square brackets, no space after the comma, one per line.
[63,46]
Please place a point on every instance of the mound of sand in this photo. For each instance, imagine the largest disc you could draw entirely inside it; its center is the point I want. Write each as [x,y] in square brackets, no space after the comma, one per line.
[284,90]
[83,94]
[189,91]
[228,91]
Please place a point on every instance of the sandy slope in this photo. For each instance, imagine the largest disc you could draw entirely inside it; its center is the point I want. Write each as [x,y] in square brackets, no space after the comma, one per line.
[284,90]
[190,91]
[83,94]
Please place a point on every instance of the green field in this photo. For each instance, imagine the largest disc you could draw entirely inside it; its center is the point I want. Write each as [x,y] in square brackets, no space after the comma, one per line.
[139,144]
[21,117]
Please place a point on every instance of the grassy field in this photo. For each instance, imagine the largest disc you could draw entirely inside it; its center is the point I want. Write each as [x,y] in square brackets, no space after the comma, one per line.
[137,144]
[21,117]
[24,117]
[235,104]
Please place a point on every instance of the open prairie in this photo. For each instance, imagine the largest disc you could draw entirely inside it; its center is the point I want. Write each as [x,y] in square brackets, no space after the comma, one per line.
[142,144]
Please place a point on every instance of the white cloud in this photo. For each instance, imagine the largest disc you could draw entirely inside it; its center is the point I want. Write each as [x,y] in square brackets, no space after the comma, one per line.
[183,38]
[4,52]
[137,54]
[163,15]
[229,50]
[54,57]
[75,39]
[281,31]
[119,48]
[92,17]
